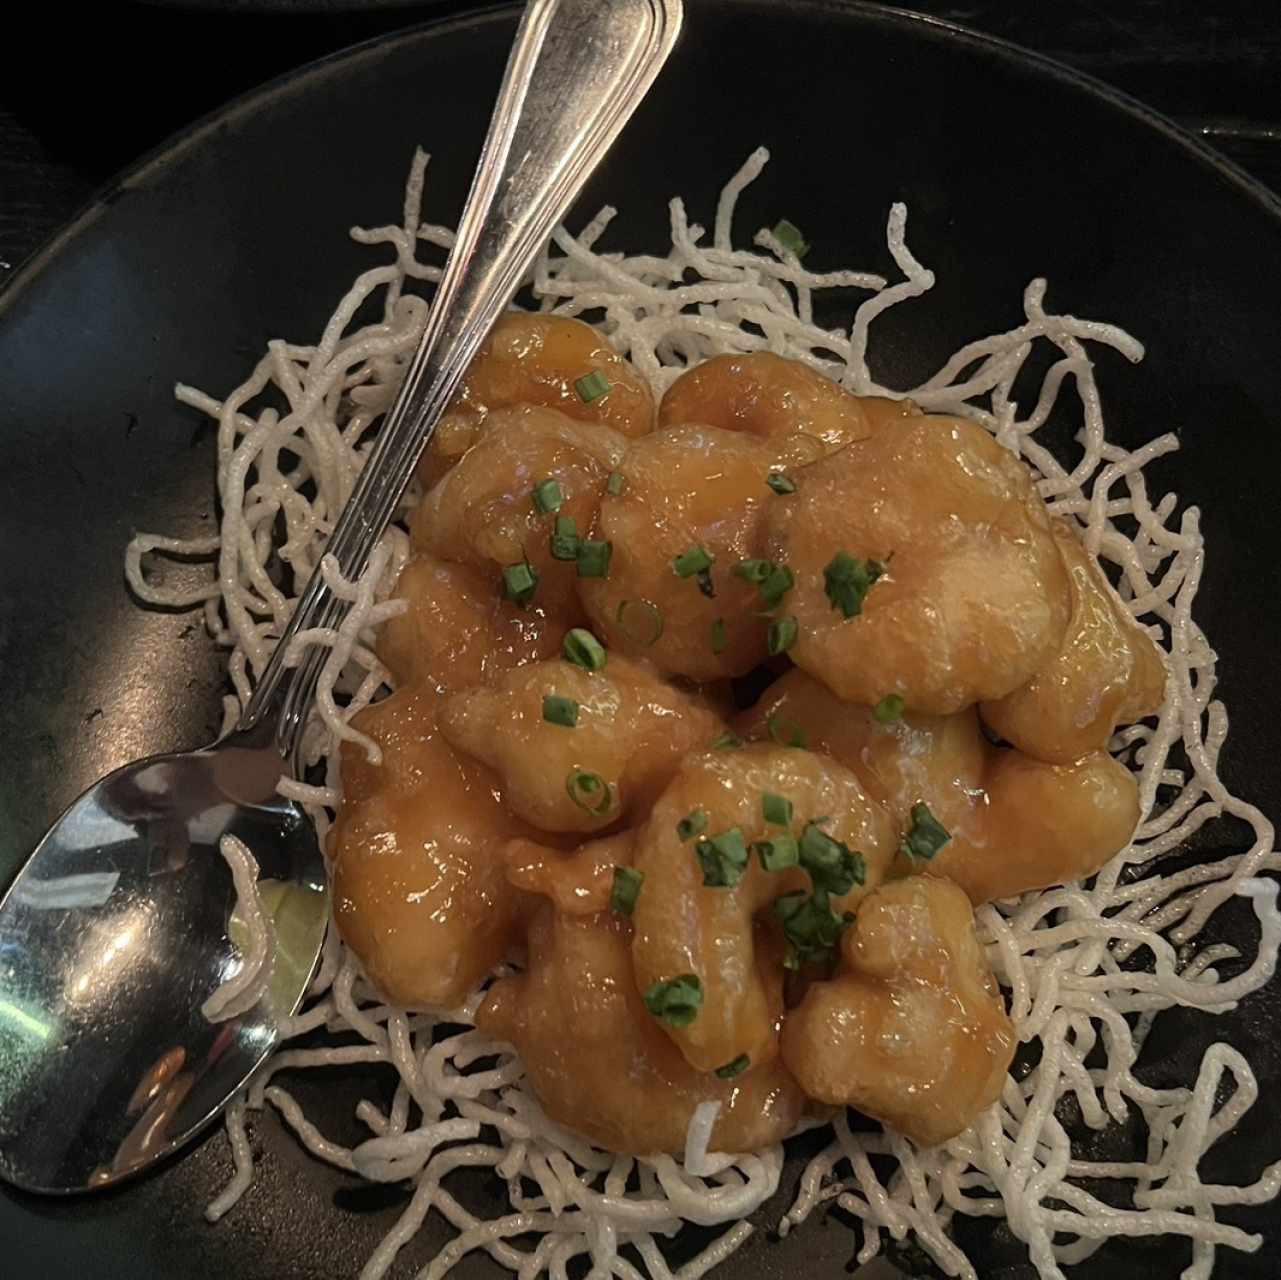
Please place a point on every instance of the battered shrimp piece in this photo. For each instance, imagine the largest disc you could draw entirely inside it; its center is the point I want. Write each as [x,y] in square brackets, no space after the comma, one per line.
[1107,672]
[683,926]
[458,630]
[419,889]
[973,598]
[1015,823]
[598,1062]
[531,358]
[483,512]
[802,413]
[685,489]
[912,1030]
[580,883]
[629,733]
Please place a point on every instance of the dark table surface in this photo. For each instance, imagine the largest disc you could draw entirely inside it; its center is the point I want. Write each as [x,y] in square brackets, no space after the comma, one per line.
[85,90]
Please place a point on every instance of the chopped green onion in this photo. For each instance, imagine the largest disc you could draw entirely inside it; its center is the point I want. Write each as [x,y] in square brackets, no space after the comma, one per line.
[772,581]
[847,581]
[520,581]
[584,786]
[926,836]
[777,809]
[735,1068]
[583,649]
[779,852]
[591,386]
[833,867]
[726,741]
[889,709]
[565,539]
[781,483]
[723,859]
[676,1001]
[754,571]
[614,485]
[810,926]
[704,579]
[789,236]
[782,635]
[548,497]
[558,710]
[691,561]
[593,558]
[692,824]
[718,636]
[642,622]
[625,890]
[785,733]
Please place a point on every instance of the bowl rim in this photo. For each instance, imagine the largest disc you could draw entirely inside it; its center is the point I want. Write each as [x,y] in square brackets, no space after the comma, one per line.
[152,164]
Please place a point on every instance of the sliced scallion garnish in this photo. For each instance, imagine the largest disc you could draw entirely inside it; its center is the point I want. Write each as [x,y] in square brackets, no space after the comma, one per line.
[548,497]
[560,710]
[641,621]
[589,791]
[889,709]
[692,561]
[591,386]
[723,858]
[520,581]
[565,539]
[847,580]
[594,557]
[675,1001]
[625,890]
[583,649]
[926,836]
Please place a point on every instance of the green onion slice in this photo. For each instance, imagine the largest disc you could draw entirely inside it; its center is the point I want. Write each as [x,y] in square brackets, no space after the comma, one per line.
[723,859]
[889,709]
[787,733]
[789,236]
[779,852]
[675,1001]
[520,581]
[548,497]
[565,539]
[781,483]
[777,809]
[589,791]
[926,836]
[727,741]
[735,1068]
[593,558]
[833,867]
[558,710]
[591,386]
[614,485]
[782,635]
[583,649]
[692,824]
[847,580]
[625,890]
[693,560]
[641,622]
[718,636]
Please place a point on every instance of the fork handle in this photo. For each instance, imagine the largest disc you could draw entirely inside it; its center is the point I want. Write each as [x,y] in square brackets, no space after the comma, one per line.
[577,71]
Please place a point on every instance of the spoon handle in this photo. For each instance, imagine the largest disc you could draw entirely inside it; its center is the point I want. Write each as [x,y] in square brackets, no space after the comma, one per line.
[577,71]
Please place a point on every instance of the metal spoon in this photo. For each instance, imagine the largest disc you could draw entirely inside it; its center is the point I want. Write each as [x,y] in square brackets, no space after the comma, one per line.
[117,929]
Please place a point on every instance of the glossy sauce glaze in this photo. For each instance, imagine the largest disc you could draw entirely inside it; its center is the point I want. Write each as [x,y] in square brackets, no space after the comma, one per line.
[770,916]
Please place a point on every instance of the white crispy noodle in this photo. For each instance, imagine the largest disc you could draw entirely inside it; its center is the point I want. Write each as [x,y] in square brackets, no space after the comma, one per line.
[1086,967]
[245,987]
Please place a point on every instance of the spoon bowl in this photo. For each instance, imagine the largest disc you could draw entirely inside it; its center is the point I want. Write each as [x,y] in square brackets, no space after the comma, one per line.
[106,1060]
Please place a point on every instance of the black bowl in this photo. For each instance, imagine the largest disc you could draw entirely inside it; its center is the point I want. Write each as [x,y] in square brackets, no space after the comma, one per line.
[1011,166]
